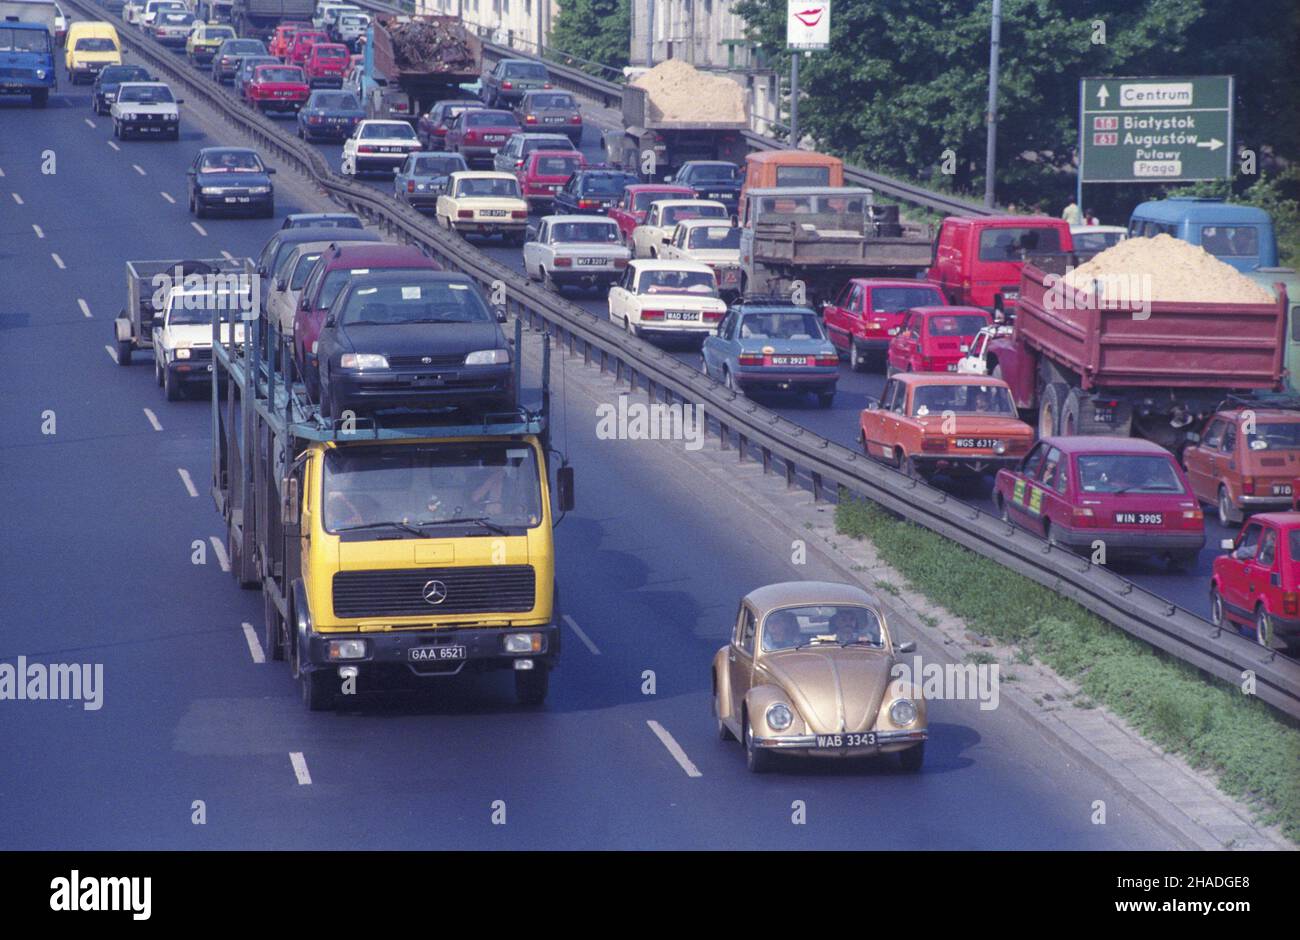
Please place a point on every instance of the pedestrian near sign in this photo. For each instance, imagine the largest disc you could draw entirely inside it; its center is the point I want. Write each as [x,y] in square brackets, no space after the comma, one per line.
[1155,130]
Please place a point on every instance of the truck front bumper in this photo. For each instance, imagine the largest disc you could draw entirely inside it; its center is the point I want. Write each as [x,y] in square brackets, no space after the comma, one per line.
[415,656]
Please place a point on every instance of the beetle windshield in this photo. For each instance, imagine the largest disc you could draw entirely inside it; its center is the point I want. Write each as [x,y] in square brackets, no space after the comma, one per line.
[841,625]
[1128,473]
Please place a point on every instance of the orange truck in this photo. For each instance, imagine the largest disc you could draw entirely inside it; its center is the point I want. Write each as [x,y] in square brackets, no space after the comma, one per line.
[773,169]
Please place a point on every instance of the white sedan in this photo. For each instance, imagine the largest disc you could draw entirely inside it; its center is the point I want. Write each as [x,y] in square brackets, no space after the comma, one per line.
[668,298]
[582,250]
[378,145]
[650,237]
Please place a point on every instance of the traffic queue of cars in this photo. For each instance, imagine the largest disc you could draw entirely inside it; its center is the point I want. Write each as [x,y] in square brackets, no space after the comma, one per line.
[666,255]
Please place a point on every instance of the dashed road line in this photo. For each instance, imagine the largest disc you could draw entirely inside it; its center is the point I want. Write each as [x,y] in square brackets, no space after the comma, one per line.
[112,353]
[37,229]
[300,768]
[255,650]
[227,255]
[674,749]
[581,635]
[85,307]
[153,419]
[17,198]
[114,145]
[89,123]
[168,197]
[189,483]
[58,261]
[222,558]
[199,228]
[138,168]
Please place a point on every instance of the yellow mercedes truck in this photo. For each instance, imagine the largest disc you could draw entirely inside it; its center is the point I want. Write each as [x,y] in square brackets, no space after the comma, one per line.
[395,550]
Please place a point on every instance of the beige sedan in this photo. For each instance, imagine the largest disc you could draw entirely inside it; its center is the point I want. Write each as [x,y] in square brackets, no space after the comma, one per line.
[807,673]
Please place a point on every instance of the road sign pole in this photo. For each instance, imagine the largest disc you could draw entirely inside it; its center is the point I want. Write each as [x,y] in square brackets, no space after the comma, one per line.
[794,100]
[1078,183]
[991,147]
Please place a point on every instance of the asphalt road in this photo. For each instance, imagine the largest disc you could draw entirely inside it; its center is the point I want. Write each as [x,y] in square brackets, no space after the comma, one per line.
[99,553]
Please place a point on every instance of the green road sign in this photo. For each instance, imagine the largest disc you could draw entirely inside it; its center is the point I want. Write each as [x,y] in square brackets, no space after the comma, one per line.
[1155,130]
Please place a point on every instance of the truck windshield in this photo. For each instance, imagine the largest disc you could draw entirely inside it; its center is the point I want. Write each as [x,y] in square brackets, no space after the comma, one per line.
[598,232]
[809,205]
[962,400]
[1275,436]
[414,484]
[898,299]
[1230,240]
[1128,473]
[714,237]
[415,300]
[1007,244]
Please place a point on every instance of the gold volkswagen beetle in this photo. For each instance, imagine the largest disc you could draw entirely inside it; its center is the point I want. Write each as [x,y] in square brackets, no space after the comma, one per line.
[807,672]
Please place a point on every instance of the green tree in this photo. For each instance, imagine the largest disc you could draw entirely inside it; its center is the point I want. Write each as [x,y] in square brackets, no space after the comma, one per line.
[904,84]
[598,31]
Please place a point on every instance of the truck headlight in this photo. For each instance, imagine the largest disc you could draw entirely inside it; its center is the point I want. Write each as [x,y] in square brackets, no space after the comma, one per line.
[182,353]
[40,73]
[347,649]
[902,712]
[488,357]
[523,642]
[363,361]
[779,717]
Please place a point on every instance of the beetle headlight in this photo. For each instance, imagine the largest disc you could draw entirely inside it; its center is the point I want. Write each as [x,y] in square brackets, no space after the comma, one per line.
[363,361]
[488,357]
[779,717]
[902,712]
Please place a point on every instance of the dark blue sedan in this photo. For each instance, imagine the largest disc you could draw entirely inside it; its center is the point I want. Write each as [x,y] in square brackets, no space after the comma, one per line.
[329,115]
[230,180]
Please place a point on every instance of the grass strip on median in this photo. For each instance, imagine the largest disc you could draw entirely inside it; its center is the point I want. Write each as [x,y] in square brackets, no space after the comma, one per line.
[1253,752]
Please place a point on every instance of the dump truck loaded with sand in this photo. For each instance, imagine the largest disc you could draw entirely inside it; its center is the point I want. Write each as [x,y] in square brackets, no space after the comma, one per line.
[677,113]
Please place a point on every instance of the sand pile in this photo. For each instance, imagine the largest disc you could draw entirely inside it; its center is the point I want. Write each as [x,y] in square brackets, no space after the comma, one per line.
[677,91]
[1175,270]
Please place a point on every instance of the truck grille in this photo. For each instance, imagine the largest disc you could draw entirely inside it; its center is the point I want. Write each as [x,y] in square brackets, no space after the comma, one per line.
[16,73]
[400,593]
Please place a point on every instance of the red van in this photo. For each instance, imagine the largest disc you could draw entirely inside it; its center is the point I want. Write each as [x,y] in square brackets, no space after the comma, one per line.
[544,172]
[300,45]
[978,259]
[337,265]
[934,339]
[326,64]
[869,311]
[1125,493]
[1257,585]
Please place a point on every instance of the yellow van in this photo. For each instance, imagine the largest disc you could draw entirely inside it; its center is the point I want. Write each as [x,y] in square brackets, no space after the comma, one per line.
[89,47]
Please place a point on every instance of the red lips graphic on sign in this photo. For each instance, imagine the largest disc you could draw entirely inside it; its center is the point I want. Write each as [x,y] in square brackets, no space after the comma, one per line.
[810,17]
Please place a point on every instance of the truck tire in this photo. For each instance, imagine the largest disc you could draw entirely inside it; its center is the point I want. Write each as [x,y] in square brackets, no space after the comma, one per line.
[1072,413]
[318,694]
[235,549]
[1049,409]
[40,97]
[273,633]
[531,685]
[124,352]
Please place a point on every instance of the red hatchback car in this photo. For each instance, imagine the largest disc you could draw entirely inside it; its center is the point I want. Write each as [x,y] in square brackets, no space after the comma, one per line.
[478,133]
[1125,493]
[544,172]
[326,64]
[630,210]
[934,339]
[328,277]
[869,312]
[1258,583]
[300,47]
[278,88]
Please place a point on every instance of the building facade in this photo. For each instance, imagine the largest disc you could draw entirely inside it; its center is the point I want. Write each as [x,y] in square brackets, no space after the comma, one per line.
[522,24]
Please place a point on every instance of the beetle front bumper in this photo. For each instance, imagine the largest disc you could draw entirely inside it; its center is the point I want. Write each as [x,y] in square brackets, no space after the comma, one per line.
[805,745]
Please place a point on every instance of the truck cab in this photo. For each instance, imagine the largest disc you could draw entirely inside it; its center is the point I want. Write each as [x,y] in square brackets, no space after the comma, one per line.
[1238,235]
[978,259]
[27,49]
[779,169]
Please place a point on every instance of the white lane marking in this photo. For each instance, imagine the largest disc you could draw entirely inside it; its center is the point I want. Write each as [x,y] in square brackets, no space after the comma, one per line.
[37,229]
[189,483]
[299,768]
[58,261]
[674,749]
[168,198]
[255,650]
[153,419]
[2,172]
[17,198]
[85,307]
[581,636]
[112,353]
[199,228]
[227,255]
[114,145]
[138,168]
[222,559]
[89,122]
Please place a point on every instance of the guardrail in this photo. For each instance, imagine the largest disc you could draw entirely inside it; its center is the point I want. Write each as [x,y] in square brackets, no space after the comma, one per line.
[759,434]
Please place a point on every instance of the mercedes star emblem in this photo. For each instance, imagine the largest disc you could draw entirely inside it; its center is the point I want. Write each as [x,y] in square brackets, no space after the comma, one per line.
[435,592]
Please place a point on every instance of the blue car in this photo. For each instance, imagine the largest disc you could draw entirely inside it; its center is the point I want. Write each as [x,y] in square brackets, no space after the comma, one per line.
[711,179]
[592,191]
[419,180]
[330,114]
[772,346]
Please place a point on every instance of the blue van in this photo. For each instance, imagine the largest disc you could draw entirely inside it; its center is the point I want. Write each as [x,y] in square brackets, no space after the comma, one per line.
[1241,236]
